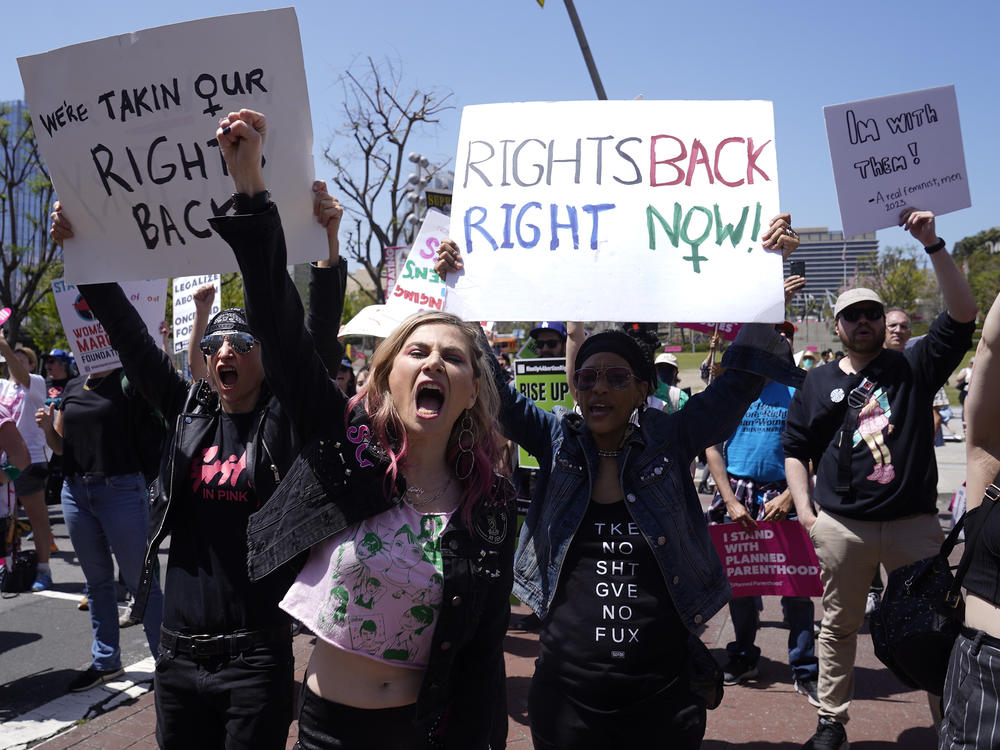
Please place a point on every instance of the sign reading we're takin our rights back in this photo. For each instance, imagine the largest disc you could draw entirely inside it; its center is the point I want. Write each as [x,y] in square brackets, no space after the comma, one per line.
[897,152]
[126,126]
[616,210]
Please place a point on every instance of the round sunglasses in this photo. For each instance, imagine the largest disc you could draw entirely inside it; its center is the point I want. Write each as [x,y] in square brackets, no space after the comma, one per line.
[585,379]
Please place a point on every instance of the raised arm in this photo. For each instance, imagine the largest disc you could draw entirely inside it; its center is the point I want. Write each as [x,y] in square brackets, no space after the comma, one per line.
[295,372]
[575,336]
[982,411]
[146,365]
[18,372]
[327,282]
[954,286]
[203,297]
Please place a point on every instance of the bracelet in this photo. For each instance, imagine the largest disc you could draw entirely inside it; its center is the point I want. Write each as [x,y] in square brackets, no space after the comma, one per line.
[251,204]
[931,249]
[11,471]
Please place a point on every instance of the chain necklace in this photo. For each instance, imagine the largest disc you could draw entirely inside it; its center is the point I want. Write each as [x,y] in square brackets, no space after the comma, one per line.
[413,492]
[609,454]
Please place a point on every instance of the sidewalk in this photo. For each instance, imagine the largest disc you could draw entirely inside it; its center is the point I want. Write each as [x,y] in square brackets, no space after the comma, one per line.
[764,714]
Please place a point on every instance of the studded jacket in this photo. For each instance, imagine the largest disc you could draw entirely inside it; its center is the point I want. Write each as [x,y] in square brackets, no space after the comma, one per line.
[191,410]
[339,479]
[654,472]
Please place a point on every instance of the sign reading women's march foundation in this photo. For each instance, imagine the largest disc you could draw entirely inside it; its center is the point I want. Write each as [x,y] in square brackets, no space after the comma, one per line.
[626,210]
[776,559]
[897,152]
[87,338]
[126,126]
[184,309]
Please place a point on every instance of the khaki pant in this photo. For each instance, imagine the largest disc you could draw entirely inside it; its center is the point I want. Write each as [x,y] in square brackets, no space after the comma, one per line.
[849,553]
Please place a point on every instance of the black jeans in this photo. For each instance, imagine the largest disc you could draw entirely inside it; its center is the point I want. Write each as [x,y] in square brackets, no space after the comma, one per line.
[325,725]
[240,702]
[673,718]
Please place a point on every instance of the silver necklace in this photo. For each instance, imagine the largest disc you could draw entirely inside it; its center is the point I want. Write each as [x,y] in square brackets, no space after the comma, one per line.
[413,492]
[609,454]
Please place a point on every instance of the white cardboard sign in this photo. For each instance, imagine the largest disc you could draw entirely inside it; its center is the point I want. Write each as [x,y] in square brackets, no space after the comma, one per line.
[184,288]
[616,210]
[126,126]
[87,337]
[896,152]
[418,287]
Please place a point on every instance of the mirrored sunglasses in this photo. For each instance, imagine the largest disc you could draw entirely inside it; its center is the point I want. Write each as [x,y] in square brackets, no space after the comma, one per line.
[242,343]
[871,313]
[616,377]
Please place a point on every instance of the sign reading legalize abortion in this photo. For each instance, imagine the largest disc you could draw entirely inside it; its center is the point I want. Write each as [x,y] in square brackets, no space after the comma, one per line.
[635,210]
[777,558]
[89,341]
[184,308]
[897,152]
[544,382]
[126,126]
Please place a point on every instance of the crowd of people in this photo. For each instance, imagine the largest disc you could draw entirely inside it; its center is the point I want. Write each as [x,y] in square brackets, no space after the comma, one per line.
[378,509]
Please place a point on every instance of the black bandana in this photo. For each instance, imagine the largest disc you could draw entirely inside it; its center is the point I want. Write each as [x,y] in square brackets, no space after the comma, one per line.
[228,321]
[626,347]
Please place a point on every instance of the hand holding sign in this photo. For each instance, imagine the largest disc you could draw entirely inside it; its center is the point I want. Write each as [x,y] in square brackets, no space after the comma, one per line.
[241,138]
[920,224]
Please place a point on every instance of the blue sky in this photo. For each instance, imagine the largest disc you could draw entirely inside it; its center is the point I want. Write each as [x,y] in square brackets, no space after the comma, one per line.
[801,55]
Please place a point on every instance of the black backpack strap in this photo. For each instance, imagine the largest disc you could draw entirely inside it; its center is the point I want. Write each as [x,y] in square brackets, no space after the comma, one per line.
[856,400]
[990,498]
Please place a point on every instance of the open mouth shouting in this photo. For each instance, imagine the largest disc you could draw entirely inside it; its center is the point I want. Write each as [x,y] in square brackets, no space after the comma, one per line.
[227,376]
[429,399]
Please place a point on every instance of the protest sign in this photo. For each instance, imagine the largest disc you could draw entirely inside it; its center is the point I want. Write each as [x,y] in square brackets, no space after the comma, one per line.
[393,257]
[727,331]
[183,314]
[544,382]
[776,559]
[87,338]
[418,287]
[4,315]
[896,152]
[126,127]
[624,211]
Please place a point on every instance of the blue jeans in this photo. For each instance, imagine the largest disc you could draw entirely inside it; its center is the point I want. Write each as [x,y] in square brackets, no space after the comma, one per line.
[104,514]
[744,611]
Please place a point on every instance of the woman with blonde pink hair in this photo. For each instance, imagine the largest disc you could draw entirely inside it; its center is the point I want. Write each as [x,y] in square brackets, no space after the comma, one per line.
[409,533]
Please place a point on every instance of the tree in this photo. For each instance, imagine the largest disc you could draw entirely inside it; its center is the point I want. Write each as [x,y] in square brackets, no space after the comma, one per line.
[368,157]
[29,259]
[979,256]
[898,275]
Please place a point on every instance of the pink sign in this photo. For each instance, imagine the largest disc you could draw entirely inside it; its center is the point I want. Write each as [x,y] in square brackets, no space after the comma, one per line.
[777,559]
[673,348]
[4,315]
[727,331]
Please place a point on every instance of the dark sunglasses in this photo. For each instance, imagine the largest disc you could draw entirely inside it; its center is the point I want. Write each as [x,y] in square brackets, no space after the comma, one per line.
[547,344]
[872,313]
[242,343]
[616,377]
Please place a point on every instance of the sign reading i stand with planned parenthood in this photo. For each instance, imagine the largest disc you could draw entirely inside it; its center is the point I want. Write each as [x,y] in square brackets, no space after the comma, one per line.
[626,210]
[126,126]
[897,152]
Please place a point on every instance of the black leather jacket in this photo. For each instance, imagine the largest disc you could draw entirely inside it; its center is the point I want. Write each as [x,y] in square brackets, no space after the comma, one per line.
[191,410]
[340,479]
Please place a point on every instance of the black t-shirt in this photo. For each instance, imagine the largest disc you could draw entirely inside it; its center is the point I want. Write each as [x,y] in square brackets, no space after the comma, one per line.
[207,589]
[894,472]
[97,430]
[613,635]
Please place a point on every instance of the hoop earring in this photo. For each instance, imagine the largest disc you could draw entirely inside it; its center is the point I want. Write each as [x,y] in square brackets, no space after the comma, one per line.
[466,439]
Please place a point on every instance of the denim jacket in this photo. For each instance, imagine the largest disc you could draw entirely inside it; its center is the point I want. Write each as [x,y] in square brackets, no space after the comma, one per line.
[339,479]
[654,471]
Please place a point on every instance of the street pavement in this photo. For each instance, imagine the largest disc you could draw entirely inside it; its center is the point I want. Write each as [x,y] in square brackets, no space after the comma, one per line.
[44,638]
